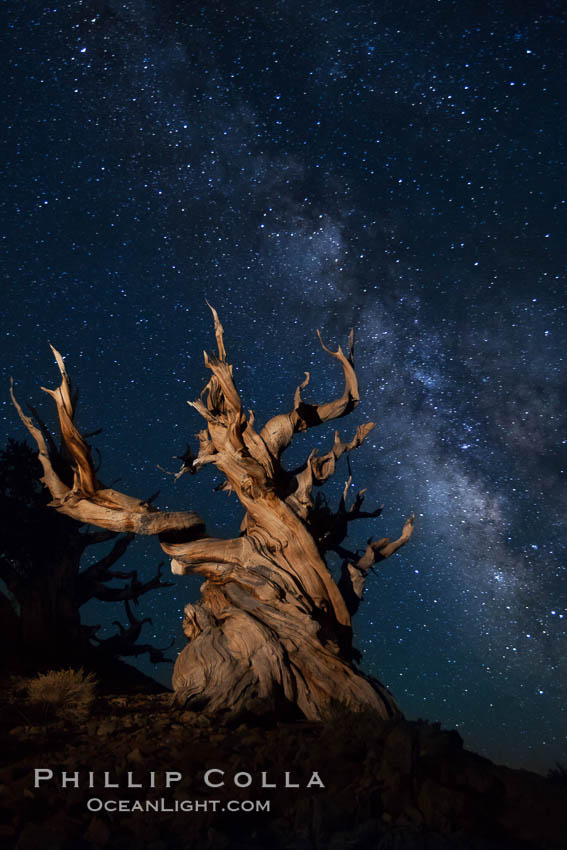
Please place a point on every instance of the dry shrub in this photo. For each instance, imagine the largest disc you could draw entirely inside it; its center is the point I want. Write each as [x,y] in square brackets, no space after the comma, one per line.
[62,694]
[558,775]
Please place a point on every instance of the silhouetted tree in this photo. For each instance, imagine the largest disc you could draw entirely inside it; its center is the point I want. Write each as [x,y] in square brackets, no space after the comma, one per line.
[41,586]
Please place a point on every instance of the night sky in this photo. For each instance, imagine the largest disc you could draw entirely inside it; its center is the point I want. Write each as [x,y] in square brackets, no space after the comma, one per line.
[399,167]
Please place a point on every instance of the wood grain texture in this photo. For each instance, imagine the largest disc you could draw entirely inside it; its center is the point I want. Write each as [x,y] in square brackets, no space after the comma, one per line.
[272,630]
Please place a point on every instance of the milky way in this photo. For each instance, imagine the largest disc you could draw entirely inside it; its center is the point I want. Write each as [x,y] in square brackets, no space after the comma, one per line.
[318,165]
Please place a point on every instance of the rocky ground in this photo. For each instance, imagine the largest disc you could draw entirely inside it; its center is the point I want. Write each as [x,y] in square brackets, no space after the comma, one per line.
[387,785]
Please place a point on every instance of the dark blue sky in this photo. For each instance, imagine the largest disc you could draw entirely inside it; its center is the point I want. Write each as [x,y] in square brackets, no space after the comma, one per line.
[400,167]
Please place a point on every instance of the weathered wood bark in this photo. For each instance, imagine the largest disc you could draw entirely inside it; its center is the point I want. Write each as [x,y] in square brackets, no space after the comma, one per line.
[272,629]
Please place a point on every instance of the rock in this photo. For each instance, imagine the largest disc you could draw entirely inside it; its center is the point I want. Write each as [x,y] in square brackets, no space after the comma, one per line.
[97,832]
[411,816]
[188,717]
[442,808]
[7,831]
[398,796]
[481,777]
[215,738]
[433,741]
[217,840]
[401,784]
[135,756]
[398,750]
[298,841]
[34,837]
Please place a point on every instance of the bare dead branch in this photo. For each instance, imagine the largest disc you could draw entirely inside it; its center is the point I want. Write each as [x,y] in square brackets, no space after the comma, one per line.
[324,467]
[85,480]
[354,573]
[134,590]
[56,486]
[187,459]
[208,556]
[219,331]
[317,470]
[124,641]
[91,580]
[91,538]
[87,500]
[383,548]
[278,431]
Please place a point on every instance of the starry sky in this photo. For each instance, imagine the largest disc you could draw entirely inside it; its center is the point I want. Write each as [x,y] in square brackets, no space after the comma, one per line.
[399,167]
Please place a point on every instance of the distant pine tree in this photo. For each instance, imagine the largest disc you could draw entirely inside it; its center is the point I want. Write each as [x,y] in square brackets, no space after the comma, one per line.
[41,586]
[558,774]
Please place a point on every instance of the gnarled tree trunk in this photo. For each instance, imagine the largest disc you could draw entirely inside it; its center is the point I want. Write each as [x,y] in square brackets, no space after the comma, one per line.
[272,629]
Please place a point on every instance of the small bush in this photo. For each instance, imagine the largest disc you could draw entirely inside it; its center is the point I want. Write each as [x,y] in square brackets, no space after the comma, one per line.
[558,775]
[14,688]
[62,694]
[360,725]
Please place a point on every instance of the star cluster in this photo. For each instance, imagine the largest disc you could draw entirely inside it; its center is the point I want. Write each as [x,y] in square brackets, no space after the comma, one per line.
[396,167]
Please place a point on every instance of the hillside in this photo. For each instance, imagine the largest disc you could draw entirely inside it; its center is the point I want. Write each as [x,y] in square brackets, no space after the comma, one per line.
[386,784]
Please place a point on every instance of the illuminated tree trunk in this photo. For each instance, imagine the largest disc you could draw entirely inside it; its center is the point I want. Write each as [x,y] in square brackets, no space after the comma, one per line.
[272,629]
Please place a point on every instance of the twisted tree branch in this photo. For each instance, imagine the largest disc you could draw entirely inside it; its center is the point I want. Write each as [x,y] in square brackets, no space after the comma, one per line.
[87,500]
[133,590]
[354,571]
[124,641]
[278,432]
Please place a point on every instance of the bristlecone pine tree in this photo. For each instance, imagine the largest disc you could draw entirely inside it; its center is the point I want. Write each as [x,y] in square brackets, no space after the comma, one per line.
[272,630]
